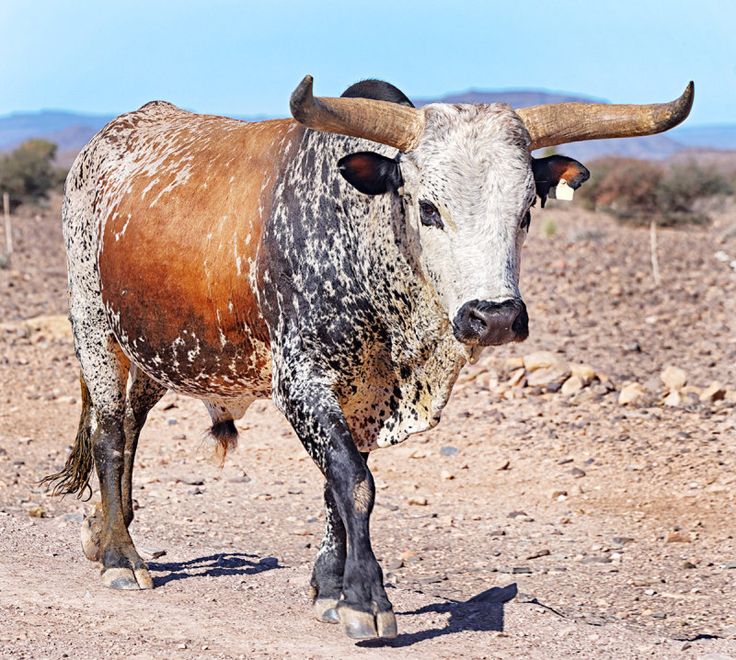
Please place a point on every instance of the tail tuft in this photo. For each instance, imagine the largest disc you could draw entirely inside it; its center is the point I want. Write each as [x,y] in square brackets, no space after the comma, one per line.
[75,475]
[226,435]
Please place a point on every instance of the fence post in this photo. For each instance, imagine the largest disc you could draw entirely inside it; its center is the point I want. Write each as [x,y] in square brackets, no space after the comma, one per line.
[8,225]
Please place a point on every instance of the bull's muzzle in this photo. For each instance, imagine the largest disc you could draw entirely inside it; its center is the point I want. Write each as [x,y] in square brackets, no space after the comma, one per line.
[486,323]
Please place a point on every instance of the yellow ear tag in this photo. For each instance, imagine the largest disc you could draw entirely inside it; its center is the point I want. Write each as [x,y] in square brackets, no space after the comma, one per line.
[563,191]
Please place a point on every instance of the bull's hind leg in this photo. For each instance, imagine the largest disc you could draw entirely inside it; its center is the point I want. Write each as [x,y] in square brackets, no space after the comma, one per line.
[105,370]
[143,394]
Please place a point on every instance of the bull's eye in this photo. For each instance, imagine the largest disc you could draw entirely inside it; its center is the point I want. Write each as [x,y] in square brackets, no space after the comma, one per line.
[526,221]
[429,215]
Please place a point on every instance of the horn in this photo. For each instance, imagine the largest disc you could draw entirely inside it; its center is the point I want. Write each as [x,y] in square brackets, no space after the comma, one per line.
[559,123]
[396,125]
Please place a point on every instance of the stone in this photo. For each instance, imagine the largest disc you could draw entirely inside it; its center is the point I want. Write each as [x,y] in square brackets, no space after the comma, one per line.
[418,500]
[446,475]
[539,553]
[714,392]
[514,363]
[583,371]
[516,378]
[577,473]
[673,399]
[673,377]
[572,385]
[548,377]
[678,537]
[631,393]
[542,360]
[449,451]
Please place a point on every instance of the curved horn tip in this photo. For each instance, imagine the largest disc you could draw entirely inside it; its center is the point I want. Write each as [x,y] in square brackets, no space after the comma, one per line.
[689,94]
[301,97]
[682,106]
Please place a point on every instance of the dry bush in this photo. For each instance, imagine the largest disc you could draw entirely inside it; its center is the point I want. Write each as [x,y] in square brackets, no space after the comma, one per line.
[639,191]
[28,173]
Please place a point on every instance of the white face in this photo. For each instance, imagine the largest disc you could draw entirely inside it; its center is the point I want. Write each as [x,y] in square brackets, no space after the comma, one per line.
[473,167]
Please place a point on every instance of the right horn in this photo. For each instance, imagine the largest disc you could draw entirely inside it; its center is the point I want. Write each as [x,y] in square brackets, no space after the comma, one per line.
[380,121]
[559,123]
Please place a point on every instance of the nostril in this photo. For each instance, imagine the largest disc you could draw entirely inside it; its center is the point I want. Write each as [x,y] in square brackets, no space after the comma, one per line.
[477,321]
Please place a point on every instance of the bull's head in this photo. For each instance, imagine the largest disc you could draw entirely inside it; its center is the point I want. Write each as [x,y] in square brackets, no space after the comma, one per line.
[467,182]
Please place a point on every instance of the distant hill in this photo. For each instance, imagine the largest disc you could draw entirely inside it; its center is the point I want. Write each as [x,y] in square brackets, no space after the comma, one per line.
[68,130]
[71,131]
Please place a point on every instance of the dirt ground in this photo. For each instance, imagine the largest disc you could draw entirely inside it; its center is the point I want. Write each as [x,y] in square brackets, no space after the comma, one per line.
[531,523]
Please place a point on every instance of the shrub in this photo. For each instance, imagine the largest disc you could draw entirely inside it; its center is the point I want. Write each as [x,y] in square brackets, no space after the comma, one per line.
[639,191]
[28,173]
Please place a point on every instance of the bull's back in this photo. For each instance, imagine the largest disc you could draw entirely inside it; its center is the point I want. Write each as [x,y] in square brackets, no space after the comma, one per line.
[180,205]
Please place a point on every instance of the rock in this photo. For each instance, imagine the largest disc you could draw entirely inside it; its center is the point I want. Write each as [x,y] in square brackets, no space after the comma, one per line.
[673,377]
[521,570]
[449,451]
[572,385]
[521,515]
[394,564]
[409,556]
[577,473]
[621,540]
[446,475]
[418,500]
[584,372]
[513,363]
[542,360]
[559,495]
[539,553]
[37,511]
[151,553]
[677,537]
[504,465]
[673,399]
[714,392]
[549,377]
[631,393]
[516,378]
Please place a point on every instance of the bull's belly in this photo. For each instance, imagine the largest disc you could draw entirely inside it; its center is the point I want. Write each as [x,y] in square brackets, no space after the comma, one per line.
[232,368]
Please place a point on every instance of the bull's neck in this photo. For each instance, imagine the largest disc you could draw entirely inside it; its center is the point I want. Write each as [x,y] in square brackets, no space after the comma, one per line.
[374,233]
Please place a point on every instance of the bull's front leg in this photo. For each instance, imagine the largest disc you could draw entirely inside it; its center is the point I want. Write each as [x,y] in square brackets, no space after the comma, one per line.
[362,605]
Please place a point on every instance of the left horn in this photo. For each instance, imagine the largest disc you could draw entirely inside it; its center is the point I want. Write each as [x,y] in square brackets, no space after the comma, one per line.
[396,125]
[560,123]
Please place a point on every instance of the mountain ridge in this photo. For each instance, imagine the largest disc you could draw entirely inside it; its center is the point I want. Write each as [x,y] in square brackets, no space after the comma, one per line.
[72,130]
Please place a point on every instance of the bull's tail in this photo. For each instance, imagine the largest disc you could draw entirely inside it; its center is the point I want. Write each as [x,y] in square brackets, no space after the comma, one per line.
[74,476]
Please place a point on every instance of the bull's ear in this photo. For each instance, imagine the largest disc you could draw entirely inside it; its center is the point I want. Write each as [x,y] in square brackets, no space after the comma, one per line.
[371,173]
[549,171]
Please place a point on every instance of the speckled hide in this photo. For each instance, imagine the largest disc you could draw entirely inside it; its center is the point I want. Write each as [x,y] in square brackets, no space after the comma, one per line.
[230,261]
[227,255]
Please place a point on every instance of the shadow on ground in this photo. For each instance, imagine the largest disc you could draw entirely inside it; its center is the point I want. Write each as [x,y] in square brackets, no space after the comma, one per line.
[223,563]
[483,612]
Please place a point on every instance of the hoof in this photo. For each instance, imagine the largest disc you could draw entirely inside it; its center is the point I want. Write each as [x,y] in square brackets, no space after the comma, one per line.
[365,625]
[127,578]
[325,610]
[386,624]
[90,534]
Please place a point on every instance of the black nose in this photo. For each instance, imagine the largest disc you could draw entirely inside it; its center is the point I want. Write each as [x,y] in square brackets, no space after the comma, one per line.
[491,323]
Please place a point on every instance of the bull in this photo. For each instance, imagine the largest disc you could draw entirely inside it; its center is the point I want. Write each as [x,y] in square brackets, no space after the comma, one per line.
[347,263]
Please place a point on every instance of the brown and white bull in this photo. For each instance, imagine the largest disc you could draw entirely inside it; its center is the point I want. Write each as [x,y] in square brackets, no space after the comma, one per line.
[348,264]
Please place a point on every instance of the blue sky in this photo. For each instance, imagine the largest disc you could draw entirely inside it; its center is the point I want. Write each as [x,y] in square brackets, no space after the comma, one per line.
[244,58]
